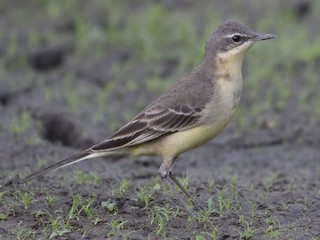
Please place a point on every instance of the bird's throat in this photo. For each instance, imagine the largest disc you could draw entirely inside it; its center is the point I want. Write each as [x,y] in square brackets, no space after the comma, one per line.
[230,64]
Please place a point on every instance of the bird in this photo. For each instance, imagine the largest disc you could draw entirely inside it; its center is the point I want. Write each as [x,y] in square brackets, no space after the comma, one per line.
[191,113]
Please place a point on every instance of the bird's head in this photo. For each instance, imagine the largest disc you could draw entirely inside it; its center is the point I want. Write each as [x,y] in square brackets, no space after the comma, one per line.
[232,39]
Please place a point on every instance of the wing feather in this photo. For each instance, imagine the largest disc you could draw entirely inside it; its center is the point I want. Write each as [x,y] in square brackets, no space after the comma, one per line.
[171,112]
[153,123]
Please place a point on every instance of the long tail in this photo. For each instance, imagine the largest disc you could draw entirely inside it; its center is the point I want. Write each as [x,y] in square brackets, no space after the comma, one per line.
[87,154]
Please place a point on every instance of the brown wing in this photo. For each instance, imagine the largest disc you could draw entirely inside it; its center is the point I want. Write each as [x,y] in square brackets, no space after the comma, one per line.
[176,110]
[151,124]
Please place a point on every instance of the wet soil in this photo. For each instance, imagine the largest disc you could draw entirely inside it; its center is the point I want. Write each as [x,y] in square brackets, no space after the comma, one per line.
[277,170]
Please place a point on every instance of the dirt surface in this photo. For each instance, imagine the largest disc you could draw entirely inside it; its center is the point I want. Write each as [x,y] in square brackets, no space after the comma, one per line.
[70,74]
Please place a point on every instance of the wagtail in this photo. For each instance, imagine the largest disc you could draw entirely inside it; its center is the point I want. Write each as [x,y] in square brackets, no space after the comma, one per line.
[194,111]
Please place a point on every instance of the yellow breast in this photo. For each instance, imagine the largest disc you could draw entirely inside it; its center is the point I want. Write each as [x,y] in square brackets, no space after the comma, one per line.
[176,143]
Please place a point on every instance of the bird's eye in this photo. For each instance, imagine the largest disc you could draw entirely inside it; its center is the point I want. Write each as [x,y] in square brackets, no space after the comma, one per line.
[236,38]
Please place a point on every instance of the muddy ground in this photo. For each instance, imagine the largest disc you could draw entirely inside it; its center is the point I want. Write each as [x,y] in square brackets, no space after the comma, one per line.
[71,73]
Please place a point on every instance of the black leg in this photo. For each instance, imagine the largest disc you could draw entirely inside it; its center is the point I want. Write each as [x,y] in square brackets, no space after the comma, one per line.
[184,204]
[164,172]
[176,181]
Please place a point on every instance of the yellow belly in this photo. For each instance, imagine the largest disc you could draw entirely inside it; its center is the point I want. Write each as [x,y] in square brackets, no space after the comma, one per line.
[176,143]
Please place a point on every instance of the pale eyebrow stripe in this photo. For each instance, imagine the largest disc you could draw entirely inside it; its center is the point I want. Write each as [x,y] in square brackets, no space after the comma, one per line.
[231,35]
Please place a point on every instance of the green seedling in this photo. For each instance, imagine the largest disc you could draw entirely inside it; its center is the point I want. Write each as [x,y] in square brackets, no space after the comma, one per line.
[110,206]
[88,209]
[20,123]
[2,194]
[96,220]
[116,226]
[59,227]
[22,232]
[49,200]
[214,235]
[3,216]
[26,198]
[39,213]
[248,230]
[160,216]
[96,179]
[80,176]
[224,201]
[145,194]
[123,186]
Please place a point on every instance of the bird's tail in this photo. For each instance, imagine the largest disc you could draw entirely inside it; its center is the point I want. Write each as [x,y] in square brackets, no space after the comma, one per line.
[87,154]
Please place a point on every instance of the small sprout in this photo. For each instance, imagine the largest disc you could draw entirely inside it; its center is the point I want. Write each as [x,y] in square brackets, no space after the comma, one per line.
[159,217]
[21,123]
[185,181]
[39,213]
[88,209]
[123,187]
[3,216]
[210,203]
[96,179]
[26,198]
[211,187]
[199,237]
[116,226]
[145,194]
[2,194]
[96,220]
[58,227]
[80,176]
[110,206]
[49,199]
[157,187]
[74,210]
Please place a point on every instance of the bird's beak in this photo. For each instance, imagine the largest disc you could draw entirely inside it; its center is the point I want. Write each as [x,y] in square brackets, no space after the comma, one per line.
[262,36]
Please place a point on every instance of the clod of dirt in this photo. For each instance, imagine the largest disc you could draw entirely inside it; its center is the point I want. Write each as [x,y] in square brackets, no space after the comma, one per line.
[7,93]
[302,8]
[45,58]
[12,181]
[67,25]
[58,127]
[4,98]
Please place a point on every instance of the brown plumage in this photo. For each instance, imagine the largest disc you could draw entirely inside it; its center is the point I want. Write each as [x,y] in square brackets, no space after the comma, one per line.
[191,113]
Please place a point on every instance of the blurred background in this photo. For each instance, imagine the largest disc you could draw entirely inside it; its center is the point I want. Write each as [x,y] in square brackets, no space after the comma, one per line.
[72,72]
[90,66]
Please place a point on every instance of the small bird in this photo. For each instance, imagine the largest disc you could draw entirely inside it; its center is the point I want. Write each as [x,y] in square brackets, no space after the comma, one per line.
[194,111]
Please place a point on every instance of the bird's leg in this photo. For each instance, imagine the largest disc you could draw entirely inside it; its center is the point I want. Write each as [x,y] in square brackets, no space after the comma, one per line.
[176,181]
[164,172]
[176,193]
